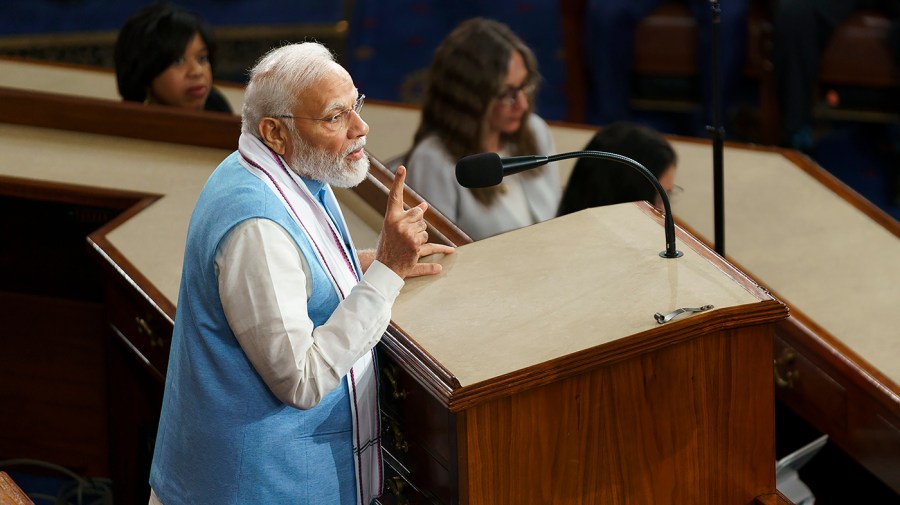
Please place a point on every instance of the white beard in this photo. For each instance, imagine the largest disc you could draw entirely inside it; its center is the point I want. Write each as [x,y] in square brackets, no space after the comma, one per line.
[332,169]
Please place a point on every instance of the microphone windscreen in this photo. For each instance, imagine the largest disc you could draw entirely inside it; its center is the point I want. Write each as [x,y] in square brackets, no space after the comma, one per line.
[479,170]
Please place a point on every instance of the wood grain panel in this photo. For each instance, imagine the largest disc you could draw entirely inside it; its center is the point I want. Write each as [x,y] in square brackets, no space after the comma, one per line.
[855,405]
[122,119]
[11,493]
[691,423]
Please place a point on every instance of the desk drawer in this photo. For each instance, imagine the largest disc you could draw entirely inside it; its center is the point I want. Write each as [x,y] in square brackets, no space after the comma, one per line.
[829,396]
[417,434]
[424,419]
[398,490]
[809,389]
[145,329]
[415,463]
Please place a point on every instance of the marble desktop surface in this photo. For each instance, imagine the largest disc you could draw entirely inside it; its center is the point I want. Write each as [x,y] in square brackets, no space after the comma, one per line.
[543,292]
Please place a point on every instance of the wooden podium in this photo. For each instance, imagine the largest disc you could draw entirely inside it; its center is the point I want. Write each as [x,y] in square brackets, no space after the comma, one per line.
[532,370]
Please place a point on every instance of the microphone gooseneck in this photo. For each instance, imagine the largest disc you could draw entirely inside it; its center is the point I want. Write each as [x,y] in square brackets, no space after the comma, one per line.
[668,220]
[488,169]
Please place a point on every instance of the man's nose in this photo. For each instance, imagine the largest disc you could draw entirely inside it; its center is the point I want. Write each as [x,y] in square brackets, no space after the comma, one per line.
[358,127]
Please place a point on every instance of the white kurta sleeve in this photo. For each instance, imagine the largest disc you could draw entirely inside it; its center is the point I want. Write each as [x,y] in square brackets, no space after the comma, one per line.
[264,287]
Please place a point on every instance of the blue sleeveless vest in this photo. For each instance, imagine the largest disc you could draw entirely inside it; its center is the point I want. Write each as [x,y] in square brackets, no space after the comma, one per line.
[223,437]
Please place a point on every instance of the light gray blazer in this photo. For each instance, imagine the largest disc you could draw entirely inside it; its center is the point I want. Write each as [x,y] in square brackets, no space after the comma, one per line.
[431,172]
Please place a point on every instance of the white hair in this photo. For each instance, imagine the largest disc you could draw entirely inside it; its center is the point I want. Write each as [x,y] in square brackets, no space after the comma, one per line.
[278,77]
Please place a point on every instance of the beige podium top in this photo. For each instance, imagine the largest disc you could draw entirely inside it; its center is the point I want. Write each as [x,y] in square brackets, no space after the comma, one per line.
[546,291]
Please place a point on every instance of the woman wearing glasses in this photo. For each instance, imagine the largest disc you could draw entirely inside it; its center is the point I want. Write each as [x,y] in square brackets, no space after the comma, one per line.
[164,55]
[479,98]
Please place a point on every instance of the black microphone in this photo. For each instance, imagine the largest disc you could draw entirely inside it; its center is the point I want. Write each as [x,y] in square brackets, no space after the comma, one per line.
[488,169]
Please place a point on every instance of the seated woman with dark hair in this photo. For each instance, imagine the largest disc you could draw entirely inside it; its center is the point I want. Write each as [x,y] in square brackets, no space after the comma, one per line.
[596,182]
[165,55]
[479,98]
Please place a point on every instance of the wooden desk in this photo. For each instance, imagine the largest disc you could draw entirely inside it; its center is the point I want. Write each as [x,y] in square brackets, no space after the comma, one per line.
[553,383]
[830,255]
[833,257]
[781,211]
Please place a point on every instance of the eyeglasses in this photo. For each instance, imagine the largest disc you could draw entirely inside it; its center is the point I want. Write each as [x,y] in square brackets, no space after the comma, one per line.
[511,95]
[675,190]
[334,122]
[674,193]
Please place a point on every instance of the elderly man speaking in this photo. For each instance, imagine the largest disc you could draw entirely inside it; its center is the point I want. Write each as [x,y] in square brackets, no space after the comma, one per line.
[271,393]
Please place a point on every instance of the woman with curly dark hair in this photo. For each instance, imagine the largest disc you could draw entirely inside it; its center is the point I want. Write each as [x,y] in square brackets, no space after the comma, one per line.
[164,55]
[479,98]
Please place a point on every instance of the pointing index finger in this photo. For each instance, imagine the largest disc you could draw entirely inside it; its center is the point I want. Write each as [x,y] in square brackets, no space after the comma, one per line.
[395,200]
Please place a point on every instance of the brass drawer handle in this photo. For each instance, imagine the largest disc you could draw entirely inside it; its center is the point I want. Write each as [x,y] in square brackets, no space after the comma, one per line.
[390,373]
[392,428]
[144,328]
[396,485]
[785,361]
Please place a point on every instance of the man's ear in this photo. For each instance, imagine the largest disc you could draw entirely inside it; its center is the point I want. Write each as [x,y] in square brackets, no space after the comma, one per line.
[274,134]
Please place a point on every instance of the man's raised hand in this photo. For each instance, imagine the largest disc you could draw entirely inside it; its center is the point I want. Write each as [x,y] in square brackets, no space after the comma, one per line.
[404,236]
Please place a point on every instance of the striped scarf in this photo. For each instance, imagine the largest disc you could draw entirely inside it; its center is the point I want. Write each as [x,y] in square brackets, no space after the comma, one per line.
[339,260]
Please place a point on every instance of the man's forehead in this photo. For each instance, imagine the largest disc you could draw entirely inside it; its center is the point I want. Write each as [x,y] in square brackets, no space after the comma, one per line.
[333,90]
